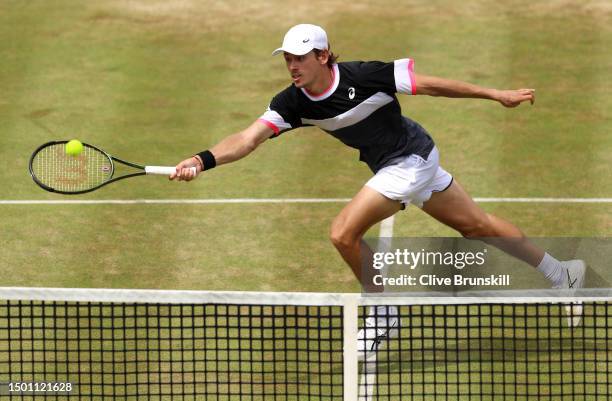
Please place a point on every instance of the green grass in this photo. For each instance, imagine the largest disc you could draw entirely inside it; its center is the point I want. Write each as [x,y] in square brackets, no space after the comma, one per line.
[112,251]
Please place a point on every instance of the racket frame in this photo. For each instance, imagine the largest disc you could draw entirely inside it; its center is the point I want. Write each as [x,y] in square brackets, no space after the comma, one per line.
[112,160]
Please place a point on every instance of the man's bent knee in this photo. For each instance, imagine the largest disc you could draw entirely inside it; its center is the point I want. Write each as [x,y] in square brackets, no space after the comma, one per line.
[343,238]
[480,228]
[490,226]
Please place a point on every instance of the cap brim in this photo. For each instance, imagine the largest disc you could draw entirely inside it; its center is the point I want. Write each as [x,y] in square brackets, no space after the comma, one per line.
[296,51]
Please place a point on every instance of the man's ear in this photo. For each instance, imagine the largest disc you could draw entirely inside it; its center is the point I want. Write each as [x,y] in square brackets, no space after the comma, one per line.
[323,57]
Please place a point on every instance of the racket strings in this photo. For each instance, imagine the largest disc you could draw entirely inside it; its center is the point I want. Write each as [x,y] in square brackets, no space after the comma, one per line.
[62,172]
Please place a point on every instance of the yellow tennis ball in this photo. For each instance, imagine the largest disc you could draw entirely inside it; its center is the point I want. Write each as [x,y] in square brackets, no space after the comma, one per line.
[74,147]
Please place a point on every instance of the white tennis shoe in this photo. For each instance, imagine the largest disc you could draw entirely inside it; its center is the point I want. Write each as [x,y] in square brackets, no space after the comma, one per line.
[375,335]
[573,279]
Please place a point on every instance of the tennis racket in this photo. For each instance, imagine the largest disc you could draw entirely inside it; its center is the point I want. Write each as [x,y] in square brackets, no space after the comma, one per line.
[55,171]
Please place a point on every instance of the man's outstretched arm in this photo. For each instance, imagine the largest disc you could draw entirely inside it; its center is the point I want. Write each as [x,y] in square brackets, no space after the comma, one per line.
[434,86]
[230,149]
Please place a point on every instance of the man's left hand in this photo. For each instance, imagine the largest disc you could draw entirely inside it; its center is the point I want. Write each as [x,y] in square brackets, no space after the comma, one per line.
[512,98]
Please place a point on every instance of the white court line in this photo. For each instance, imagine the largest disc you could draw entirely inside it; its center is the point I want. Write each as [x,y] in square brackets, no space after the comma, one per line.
[543,200]
[269,200]
[171,201]
[386,227]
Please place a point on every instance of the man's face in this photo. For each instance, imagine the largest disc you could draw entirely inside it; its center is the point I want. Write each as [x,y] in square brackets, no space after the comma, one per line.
[304,69]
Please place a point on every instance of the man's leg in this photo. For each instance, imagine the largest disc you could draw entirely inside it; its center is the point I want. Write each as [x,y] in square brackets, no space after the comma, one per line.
[455,208]
[367,208]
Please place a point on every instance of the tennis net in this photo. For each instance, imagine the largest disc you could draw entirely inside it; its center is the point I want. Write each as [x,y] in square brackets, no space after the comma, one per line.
[65,344]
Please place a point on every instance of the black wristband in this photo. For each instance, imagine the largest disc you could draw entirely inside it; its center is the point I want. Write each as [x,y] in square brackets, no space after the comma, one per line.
[208,159]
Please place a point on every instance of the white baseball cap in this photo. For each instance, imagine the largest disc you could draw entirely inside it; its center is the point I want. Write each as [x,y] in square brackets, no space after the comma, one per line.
[302,38]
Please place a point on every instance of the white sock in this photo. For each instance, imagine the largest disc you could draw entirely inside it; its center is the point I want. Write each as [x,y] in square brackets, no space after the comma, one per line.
[551,268]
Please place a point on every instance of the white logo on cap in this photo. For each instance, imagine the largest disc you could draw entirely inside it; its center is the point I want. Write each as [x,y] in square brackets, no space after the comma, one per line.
[351,93]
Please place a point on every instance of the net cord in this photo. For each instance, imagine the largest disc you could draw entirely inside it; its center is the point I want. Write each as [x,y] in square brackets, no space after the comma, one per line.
[270,298]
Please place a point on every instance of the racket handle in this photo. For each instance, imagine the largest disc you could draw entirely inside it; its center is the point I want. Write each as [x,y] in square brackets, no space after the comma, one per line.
[162,170]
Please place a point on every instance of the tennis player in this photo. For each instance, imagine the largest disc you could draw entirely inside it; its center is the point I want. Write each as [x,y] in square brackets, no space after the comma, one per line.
[356,103]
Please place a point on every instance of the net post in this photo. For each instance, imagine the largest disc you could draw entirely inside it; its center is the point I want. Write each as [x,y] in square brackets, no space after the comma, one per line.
[350,366]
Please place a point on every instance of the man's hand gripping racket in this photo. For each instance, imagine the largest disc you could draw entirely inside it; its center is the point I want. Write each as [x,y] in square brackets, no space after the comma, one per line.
[187,170]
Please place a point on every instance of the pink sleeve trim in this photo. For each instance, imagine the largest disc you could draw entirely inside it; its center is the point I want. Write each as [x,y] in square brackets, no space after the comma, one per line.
[411,74]
[270,125]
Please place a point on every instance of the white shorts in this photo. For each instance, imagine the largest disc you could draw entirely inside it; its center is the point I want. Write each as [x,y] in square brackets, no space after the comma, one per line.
[411,179]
